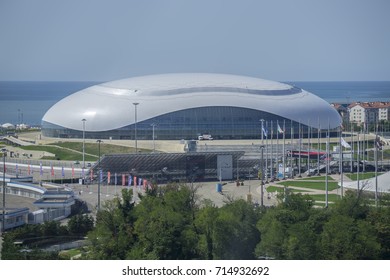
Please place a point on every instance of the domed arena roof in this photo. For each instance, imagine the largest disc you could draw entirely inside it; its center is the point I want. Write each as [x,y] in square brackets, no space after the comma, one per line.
[110,105]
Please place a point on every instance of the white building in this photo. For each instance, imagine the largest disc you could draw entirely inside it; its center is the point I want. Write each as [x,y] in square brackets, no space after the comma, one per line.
[368,112]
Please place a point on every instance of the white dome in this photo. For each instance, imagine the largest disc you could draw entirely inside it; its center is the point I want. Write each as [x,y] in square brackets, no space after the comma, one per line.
[109,106]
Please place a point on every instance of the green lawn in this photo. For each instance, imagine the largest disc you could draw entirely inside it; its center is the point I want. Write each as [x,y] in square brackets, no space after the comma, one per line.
[281,189]
[310,185]
[60,154]
[93,148]
[362,176]
[321,197]
[316,178]
[73,150]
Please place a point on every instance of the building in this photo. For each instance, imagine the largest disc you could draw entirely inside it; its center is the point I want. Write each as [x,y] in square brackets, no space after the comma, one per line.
[185,106]
[368,112]
[342,110]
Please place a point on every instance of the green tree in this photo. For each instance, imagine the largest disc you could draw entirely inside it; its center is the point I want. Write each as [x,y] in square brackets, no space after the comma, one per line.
[80,224]
[113,235]
[165,225]
[347,238]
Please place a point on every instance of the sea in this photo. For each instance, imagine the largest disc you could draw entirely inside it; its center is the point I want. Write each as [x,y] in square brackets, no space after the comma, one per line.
[27,102]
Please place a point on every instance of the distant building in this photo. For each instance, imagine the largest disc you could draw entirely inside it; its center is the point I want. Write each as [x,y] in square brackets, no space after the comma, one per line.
[368,112]
[342,110]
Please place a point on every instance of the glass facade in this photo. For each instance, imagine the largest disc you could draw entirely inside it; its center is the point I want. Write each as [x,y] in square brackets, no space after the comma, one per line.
[222,122]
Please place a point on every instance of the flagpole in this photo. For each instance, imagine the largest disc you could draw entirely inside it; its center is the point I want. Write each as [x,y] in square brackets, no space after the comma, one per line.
[341,162]
[291,153]
[358,162]
[277,148]
[284,145]
[327,167]
[308,148]
[266,150]
[353,149]
[364,145]
[272,151]
[319,147]
[377,139]
[300,149]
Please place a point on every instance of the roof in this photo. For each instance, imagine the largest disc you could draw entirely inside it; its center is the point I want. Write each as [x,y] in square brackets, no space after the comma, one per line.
[110,105]
[372,105]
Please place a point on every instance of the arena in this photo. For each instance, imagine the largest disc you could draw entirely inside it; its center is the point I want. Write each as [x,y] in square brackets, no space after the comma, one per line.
[186,106]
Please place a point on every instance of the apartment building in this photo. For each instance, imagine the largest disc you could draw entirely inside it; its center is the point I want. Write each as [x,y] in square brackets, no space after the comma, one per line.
[368,112]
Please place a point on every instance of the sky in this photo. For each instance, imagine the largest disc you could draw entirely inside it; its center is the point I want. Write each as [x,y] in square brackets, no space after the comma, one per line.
[282,40]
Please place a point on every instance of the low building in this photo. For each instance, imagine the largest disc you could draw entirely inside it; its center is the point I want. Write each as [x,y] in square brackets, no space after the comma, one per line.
[368,112]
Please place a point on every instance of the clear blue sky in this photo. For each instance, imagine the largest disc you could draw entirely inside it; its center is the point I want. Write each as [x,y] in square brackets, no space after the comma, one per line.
[284,40]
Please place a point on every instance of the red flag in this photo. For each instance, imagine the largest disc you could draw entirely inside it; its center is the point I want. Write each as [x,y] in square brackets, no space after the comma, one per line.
[72,171]
[135,181]
[123,179]
[108,177]
[91,174]
[145,183]
[52,170]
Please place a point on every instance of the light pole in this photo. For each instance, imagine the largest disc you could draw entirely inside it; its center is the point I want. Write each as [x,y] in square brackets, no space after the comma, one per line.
[154,146]
[83,120]
[262,131]
[99,141]
[262,177]
[135,125]
[3,217]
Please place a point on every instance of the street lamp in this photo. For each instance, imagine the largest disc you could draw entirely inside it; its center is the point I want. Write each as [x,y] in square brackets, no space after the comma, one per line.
[99,141]
[154,146]
[262,131]
[262,177]
[3,217]
[83,120]
[135,125]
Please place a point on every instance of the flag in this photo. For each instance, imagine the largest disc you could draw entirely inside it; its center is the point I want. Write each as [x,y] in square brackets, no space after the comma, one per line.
[63,172]
[139,181]
[378,143]
[16,169]
[108,177]
[115,179]
[135,181]
[145,184]
[123,179]
[72,171]
[40,169]
[130,180]
[29,170]
[82,173]
[91,175]
[264,131]
[345,144]
[280,129]
[101,176]
[52,170]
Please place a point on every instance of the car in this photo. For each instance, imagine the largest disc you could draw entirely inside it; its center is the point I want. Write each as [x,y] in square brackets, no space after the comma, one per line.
[76,162]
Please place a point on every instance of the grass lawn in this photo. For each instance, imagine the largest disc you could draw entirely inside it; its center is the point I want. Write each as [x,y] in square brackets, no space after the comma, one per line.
[310,185]
[93,148]
[70,253]
[321,197]
[73,150]
[281,189]
[316,178]
[362,176]
[61,154]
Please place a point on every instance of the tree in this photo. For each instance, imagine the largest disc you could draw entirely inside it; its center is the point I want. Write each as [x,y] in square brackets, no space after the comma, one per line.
[346,238]
[113,235]
[80,225]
